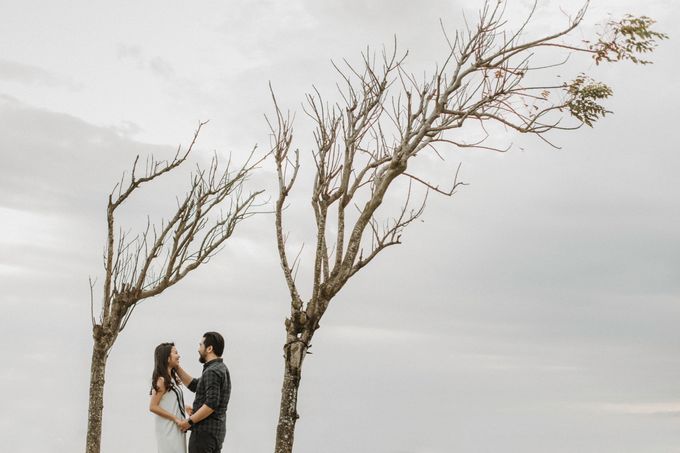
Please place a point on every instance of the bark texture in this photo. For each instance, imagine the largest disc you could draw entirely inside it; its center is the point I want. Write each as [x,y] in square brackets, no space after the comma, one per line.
[96,404]
[288,415]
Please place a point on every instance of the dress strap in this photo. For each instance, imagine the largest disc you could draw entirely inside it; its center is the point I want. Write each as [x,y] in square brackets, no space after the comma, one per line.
[180,399]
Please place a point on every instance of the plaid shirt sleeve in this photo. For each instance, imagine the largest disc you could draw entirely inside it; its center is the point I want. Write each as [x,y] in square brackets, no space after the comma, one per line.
[193,384]
[212,380]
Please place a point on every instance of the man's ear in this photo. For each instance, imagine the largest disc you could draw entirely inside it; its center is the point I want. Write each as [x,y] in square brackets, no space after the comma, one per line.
[209,349]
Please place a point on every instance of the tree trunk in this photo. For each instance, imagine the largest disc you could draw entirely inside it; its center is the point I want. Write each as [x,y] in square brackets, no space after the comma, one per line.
[96,406]
[288,415]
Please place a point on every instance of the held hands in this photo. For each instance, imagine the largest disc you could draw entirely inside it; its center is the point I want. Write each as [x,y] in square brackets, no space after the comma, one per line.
[183,424]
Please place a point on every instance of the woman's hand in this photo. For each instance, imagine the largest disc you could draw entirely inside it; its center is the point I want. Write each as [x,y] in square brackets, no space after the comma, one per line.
[184,425]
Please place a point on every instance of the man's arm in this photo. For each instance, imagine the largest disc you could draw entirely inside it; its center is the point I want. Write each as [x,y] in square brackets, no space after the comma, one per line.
[213,385]
[213,388]
[203,412]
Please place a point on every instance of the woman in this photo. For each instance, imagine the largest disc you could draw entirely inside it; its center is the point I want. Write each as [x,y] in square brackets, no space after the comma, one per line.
[167,400]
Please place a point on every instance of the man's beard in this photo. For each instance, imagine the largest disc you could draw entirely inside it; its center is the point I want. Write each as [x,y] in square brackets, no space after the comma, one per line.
[201,358]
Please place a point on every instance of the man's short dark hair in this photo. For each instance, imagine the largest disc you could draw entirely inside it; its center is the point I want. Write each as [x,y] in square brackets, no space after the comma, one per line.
[215,340]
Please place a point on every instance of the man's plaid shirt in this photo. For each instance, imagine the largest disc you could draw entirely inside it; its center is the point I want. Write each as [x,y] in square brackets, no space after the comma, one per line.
[213,389]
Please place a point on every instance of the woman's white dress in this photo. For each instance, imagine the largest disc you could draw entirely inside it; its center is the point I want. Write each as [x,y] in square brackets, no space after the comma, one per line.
[169,437]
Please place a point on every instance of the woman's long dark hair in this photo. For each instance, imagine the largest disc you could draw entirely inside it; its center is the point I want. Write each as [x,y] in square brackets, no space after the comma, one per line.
[160,368]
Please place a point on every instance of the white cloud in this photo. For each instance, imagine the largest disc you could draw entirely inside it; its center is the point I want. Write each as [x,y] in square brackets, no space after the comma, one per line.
[671,408]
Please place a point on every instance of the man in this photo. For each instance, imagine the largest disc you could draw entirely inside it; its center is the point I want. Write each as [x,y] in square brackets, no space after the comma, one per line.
[208,418]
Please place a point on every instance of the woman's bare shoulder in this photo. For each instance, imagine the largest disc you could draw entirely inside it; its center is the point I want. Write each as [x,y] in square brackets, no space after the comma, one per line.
[160,384]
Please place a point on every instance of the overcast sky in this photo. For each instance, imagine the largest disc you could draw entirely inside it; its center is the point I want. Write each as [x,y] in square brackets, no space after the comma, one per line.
[536,311]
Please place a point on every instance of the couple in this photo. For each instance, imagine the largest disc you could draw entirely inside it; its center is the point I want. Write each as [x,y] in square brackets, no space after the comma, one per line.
[207,418]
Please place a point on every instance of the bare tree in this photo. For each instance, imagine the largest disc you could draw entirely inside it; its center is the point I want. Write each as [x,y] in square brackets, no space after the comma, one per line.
[365,143]
[137,268]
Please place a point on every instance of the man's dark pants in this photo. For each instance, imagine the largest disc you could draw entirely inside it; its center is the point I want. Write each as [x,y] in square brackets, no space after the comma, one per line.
[203,442]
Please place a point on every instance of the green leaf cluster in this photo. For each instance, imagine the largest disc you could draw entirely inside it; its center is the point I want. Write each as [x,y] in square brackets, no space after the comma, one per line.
[584,94]
[627,39]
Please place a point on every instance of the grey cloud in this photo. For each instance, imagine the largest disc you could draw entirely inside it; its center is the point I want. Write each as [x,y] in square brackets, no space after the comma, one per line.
[266,28]
[127,129]
[161,67]
[125,52]
[156,65]
[70,162]
[671,414]
[13,71]
[382,13]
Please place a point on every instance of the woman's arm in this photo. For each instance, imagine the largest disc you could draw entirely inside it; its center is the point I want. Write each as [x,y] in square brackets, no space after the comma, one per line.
[154,404]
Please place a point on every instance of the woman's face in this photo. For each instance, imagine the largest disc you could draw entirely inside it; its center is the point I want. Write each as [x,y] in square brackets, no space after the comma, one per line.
[173,360]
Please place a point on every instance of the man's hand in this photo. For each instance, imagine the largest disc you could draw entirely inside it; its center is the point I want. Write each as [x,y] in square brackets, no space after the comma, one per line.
[184,425]
[184,376]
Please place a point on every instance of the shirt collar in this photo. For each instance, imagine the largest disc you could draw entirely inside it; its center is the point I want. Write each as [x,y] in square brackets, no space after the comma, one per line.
[207,364]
